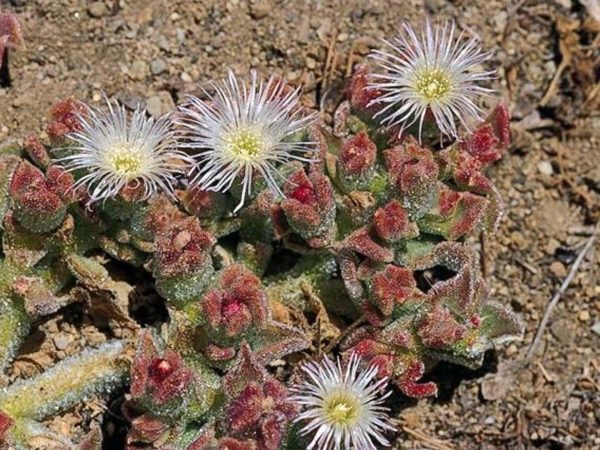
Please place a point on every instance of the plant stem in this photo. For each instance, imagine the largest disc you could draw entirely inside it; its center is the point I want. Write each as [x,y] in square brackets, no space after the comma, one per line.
[68,382]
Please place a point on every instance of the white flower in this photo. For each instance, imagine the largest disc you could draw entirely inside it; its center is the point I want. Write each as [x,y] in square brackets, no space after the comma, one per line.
[342,406]
[435,71]
[111,152]
[242,130]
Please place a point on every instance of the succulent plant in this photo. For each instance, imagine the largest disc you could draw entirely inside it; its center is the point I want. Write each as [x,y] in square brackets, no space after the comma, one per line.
[369,224]
[10,34]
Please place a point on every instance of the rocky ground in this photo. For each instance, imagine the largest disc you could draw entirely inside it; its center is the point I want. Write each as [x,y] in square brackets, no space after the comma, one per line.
[547,56]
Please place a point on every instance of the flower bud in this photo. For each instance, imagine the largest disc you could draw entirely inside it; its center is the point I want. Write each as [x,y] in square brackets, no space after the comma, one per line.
[392,223]
[35,206]
[182,261]
[359,93]
[363,243]
[491,139]
[309,208]
[238,304]
[414,174]
[258,404]
[458,213]
[36,150]
[392,286]
[65,116]
[357,160]
[10,34]
[159,381]
[438,329]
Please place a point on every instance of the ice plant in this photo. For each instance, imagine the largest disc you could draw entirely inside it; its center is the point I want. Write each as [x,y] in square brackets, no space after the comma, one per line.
[110,151]
[10,34]
[373,232]
[433,71]
[243,130]
[343,406]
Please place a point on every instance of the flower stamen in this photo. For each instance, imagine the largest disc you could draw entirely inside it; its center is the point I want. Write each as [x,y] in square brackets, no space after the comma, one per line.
[342,409]
[245,143]
[125,161]
[433,85]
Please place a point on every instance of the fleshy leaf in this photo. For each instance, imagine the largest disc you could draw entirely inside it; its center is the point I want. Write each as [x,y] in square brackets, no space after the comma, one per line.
[500,323]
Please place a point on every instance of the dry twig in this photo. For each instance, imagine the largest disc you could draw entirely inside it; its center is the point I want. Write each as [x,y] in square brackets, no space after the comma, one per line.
[431,442]
[553,86]
[559,293]
[330,60]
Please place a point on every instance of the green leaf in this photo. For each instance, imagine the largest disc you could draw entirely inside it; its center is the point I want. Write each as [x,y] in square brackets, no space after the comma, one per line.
[500,323]
[86,270]
[14,327]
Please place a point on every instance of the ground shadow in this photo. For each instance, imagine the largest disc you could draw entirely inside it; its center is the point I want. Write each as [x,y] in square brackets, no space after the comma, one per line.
[449,376]
[114,426]
[5,80]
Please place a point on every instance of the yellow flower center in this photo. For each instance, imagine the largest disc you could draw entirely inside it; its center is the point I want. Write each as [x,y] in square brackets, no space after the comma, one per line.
[126,161]
[245,143]
[342,408]
[433,84]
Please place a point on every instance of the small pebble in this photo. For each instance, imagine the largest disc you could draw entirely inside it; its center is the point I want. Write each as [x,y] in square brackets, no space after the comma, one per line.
[259,10]
[158,66]
[303,31]
[132,102]
[500,20]
[511,350]
[584,316]
[562,331]
[357,14]
[19,101]
[293,76]
[186,78]
[324,29]
[154,106]
[138,70]
[567,4]
[52,327]
[433,6]
[596,327]
[311,63]
[551,246]
[61,341]
[180,33]
[545,168]
[159,104]
[558,269]
[97,9]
